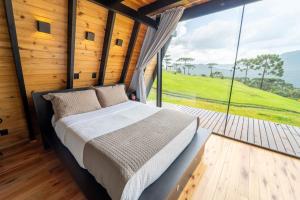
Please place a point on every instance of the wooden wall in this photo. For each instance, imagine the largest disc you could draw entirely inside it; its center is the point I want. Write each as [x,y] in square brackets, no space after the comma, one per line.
[136,53]
[11,108]
[44,56]
[92,18]
[122,30]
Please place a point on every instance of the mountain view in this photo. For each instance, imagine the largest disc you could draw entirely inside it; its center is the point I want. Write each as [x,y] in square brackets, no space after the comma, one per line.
[198,65]
[291,69]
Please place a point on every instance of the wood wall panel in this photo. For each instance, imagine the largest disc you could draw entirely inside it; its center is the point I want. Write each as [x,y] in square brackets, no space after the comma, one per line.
[122,30]
[90,17]
[135,54]
[11,107]
[150,70]
[43,56]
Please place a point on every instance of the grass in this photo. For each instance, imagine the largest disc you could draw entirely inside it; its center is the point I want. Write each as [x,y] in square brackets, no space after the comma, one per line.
[212,93]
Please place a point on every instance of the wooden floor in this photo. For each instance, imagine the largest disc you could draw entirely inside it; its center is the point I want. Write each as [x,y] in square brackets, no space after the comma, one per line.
[228,170]
[233,170]
[29,172]
[277,137]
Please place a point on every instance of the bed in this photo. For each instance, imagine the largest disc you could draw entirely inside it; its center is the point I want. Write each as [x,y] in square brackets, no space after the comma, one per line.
[166,173]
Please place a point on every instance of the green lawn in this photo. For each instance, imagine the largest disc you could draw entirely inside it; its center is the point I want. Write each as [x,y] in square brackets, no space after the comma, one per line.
[212,94]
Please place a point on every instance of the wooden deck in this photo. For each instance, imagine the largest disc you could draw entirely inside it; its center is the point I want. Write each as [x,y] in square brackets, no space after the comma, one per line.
[277,137]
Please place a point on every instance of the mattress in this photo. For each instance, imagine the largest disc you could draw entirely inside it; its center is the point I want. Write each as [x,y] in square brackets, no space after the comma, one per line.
[76,130]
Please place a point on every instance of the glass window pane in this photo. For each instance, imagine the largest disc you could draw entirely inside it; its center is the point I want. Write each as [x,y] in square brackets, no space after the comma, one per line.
[267,81]
[197,67]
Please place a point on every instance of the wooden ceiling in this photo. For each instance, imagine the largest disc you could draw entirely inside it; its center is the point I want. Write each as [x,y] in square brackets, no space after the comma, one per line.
[137,4]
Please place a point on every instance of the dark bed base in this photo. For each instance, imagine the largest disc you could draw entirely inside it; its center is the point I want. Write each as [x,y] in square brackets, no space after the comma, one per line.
[168,186]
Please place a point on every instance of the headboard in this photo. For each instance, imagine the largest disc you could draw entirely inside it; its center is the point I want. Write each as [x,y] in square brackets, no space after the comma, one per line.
[44,113]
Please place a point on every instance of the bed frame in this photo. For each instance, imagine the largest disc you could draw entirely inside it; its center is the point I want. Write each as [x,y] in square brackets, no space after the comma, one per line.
[168,186]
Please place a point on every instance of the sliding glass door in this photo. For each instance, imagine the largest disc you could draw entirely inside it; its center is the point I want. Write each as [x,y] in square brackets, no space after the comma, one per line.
[267,79]
[198,66]
[237,72]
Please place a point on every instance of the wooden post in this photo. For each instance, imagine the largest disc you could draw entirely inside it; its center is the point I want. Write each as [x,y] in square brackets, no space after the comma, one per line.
[106,45]
[159,80]
[17,61]
[72,4]
[134,34]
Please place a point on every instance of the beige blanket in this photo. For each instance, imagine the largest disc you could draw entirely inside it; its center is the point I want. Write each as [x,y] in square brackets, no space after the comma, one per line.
[123,152]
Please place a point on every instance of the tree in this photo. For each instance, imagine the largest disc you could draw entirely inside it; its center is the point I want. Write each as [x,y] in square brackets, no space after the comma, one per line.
[218,75]
[189,67]
[176,67]
[167,60]
[186,63]
[245,64]
[210,66]
[178,70]
[268,64]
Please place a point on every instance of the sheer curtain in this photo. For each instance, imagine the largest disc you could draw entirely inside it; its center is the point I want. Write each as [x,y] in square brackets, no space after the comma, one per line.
[153,42]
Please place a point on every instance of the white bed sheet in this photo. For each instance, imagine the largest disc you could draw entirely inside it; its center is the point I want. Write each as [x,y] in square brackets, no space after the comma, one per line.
[76,130]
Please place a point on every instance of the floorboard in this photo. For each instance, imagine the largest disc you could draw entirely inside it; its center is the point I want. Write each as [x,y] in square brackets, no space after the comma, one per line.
[29,172]
[239,128]
[277,137]
[244,132]
[271,140]
[263,134]
[234,170]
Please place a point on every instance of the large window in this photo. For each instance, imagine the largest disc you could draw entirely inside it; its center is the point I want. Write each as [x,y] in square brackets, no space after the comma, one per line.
[267,79]
[198,66]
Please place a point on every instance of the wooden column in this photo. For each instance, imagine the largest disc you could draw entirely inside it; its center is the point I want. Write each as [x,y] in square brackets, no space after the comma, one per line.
[106,45]
[134,34]
[159,80]
[154,74]
[156,5]
[17,61]
[72,5]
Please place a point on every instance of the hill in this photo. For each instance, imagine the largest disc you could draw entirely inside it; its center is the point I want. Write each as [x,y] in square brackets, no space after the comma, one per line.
[291,69]
[212,93]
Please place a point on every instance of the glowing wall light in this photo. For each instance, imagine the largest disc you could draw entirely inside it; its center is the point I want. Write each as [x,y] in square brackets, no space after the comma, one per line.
[89,36]
[43,27]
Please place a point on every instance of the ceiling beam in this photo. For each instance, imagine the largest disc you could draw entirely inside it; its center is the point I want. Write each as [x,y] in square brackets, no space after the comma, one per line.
[17,61]
[111,2]
[127,11]
[155,6]
[115,1]
[133,38]
[212,7]
[72,4]
[106,45]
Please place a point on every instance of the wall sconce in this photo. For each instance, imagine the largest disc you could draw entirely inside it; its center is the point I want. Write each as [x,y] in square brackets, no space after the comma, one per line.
[43,27]
[119,42]
[76,75]
[89,36]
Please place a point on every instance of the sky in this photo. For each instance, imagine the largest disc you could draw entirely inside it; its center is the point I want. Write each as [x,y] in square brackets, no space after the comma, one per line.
[269,26]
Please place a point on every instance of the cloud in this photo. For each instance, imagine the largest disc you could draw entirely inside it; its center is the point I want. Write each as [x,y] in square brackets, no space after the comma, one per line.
[216,34]
[270,26]
[181,30]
